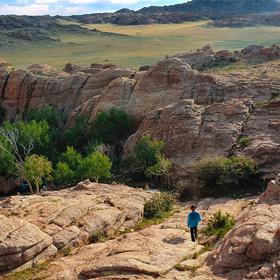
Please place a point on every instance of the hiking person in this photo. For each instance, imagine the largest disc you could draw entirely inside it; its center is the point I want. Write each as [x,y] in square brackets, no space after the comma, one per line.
[193,219]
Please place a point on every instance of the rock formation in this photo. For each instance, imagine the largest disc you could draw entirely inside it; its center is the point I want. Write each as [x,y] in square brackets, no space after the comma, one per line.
[33,228]
[253,246]
[191,111]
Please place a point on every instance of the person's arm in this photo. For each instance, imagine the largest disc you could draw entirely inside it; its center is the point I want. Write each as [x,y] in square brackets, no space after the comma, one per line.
[199,217]
[188,220]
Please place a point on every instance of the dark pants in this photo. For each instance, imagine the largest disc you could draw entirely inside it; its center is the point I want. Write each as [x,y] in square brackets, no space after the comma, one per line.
[193,233]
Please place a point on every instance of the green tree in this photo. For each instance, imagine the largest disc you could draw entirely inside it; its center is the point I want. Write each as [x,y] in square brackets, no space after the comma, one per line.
[77,136]
[63,175]
[50,114]
[147,151]
[7,158]
[35,168]
[72,158]
[113,126]
[96,167]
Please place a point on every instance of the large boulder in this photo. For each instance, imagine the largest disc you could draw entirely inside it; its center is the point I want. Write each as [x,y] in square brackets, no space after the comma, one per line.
[254,242]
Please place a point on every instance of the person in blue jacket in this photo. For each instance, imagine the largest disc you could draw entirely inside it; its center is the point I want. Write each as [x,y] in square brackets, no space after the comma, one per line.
[193,220]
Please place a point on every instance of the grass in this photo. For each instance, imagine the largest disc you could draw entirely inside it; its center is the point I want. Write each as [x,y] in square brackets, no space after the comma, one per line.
[244,142]
[142,45]
[27,274]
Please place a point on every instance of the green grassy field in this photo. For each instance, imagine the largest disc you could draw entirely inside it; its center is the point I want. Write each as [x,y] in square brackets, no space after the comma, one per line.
[141,45]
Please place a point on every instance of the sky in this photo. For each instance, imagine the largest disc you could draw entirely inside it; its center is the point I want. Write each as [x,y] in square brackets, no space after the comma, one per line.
[69,7]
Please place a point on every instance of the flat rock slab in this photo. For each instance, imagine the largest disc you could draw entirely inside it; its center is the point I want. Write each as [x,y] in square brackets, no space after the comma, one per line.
[29,225]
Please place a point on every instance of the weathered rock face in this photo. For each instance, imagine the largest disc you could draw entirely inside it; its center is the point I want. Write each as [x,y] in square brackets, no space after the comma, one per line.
[34,227]
[262,129]
[254,242]
[191,132]
[221,109]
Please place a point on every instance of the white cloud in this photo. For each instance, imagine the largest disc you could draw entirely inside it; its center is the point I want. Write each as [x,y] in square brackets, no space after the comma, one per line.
[33,9]
[124,2]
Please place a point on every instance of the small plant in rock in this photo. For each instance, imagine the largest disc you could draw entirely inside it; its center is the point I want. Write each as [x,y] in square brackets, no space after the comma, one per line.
[219,224]
[244,142]
[98,236]
[160,204]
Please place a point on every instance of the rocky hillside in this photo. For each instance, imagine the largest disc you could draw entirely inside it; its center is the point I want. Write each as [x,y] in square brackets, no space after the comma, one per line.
[191,111]
[246,21]
[189,11]
[55,228]
[14,28]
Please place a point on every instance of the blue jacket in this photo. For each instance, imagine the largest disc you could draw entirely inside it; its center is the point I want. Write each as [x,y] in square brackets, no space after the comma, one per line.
[193,219]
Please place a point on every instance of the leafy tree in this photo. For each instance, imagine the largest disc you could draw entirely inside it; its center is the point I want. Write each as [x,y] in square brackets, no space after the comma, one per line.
[50,114]
[148,154]
[113,126]
[7,158]
[26,137]
[160,168]
[35,168]
[72,158]
[228,175]
[77,136]
[147,151]
[63,175]
[96,167]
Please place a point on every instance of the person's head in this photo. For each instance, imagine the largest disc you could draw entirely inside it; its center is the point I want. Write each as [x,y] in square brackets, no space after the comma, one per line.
[193,207]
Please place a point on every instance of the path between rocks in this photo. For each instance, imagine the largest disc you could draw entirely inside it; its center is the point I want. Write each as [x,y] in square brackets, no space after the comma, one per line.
[151,253]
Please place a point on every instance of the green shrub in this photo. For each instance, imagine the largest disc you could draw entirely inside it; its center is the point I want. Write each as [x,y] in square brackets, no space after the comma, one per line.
[77,136]
[244,142]
[219,224]
[96,167]
[113,126]
[223,176]
[50,114]
[160,204]
[63,175]
[72,158]
[147,150]
[154,164]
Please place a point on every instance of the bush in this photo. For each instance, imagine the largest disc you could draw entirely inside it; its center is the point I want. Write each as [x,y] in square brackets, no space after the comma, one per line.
[113,126]
[154,164]
[160,204]
[244,142]
[63,175]
[219,224]
[50,114]
[223,176]
[77,136]
[96,167]
[147,150]
[72,158]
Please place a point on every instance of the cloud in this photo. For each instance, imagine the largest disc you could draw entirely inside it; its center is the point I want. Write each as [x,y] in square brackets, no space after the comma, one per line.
[33,9]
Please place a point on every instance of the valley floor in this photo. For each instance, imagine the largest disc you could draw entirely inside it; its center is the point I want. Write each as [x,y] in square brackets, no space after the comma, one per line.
[141,45]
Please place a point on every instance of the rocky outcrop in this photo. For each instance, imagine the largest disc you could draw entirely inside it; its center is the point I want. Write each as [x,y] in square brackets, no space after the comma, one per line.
[34,228]
[253,244]
[191,132]
[146,254]
[221,107]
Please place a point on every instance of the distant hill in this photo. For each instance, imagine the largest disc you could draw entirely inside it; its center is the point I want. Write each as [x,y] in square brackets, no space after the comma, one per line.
[190,11]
